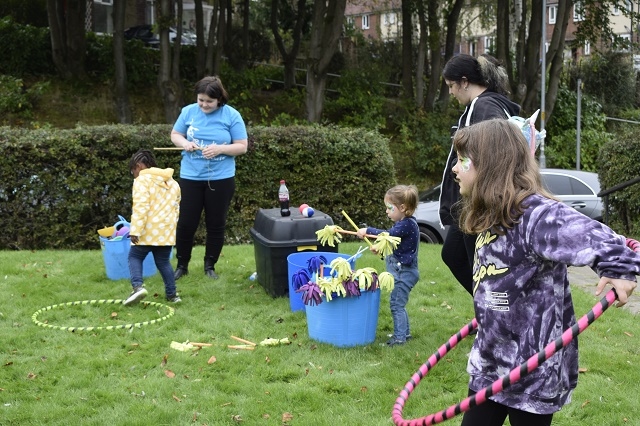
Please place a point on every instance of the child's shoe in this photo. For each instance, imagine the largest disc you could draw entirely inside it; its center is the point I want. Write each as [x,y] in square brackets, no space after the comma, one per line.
[136,295]
[174,299]
[395,341]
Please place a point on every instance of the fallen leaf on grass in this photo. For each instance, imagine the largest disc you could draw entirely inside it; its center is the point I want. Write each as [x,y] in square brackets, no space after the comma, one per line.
[164,360]
[211,360]
[31,376]
[582,370]
[176,398]
[266,416]
[287,417]
[363,389]
[170,374]
[236,418]
[114,314]
[584,404]
[8,363]
[628,334]
[225,404]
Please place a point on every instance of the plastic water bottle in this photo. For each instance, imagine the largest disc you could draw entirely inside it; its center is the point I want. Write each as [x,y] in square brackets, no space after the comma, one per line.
[253,276]
[283,196]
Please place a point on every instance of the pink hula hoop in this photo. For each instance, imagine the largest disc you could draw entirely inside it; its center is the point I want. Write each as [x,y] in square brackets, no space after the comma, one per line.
[503,382]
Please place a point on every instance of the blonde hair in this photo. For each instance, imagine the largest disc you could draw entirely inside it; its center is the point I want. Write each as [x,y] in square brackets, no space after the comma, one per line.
[404,194]
[506,174]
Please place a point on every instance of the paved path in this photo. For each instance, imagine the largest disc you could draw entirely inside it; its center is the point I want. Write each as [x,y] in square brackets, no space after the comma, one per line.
[587,280]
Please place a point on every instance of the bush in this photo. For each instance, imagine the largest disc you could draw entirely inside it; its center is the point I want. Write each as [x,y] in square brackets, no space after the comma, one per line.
[561,141]
[16,99]
[618,160]
[77,181]
[421,144]
[25,49]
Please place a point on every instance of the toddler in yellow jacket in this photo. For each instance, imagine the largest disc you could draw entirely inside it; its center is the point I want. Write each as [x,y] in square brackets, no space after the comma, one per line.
[156,204]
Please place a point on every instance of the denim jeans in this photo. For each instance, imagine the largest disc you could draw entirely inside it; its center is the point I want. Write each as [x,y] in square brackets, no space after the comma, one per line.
[405,278]
[161,256]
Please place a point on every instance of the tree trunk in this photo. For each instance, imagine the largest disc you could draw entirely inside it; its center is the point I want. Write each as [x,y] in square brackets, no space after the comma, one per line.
[201,49]
[68,42]
[288,58]
[532,59]
[246,47]
[123,107]
[520,84]
[502,37]
[435,53]
[449,46]
[170,88]
[407,49]
[557,59]
[221,36]
[326,28]
[212,40]
[422,47]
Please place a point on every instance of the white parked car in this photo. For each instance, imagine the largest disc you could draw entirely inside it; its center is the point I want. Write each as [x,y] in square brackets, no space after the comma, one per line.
[575,188]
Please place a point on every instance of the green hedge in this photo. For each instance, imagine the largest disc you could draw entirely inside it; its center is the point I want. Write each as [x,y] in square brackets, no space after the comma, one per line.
[61,186]
[618,163]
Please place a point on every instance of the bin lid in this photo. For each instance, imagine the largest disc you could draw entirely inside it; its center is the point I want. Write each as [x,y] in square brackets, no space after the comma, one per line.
[290,229]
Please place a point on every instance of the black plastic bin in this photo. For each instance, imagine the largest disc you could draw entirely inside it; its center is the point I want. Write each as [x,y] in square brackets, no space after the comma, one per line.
[276,237]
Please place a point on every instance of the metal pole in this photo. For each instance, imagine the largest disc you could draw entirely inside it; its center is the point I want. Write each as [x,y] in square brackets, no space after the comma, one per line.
[578,123]
[543,83]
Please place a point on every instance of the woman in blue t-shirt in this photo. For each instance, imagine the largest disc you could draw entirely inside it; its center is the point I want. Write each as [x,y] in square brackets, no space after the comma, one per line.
[212,134]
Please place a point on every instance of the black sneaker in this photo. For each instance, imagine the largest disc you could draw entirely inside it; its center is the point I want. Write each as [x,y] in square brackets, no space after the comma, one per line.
[136,295]
[174,299]
[395,341]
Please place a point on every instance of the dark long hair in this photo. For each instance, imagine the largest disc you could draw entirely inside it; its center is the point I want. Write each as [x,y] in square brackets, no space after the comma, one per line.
[485,71]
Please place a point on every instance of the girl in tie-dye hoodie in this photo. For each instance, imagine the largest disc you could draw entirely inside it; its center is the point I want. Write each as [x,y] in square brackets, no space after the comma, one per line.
[521,292]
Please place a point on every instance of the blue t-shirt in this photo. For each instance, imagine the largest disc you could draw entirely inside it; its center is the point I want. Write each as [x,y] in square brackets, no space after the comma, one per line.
[220,127]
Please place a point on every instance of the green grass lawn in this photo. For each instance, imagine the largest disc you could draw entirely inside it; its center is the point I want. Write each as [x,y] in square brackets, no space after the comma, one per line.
[133,376]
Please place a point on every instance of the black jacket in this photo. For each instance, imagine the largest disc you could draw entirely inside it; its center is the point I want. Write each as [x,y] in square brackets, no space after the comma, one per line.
[487,106]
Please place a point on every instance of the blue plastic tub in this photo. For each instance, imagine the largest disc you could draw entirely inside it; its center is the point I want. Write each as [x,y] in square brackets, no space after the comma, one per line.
[116,259]
[345,321]
[297,261]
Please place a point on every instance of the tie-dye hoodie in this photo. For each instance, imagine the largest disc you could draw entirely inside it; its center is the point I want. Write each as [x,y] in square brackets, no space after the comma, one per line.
[523,300]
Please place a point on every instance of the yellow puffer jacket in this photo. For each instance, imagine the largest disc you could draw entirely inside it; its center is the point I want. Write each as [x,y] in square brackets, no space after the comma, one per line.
[156,204]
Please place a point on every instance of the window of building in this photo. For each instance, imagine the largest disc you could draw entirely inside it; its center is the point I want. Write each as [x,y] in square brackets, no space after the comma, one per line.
[350,21]
[365,22]
[553,13]
[616,10]
[587,48]
[578,11]
[109,2]
[473,48]
[389,18]
[489,44]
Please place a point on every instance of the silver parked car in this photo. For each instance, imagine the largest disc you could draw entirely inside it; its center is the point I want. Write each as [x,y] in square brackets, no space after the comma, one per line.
[575,188]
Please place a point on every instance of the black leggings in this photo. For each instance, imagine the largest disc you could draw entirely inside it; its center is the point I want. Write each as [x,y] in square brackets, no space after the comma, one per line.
[214,197]
[491,413]
[457,253]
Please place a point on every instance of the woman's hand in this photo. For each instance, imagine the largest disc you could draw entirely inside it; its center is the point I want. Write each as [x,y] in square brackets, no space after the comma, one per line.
[624,288]
[211,151]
